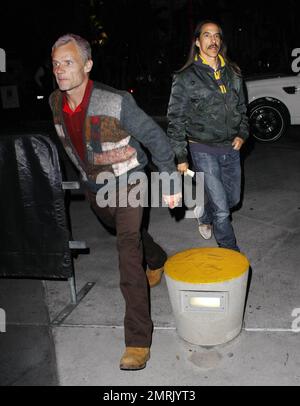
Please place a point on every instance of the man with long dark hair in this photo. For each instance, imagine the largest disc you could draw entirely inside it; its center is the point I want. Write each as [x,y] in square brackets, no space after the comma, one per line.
[207,113]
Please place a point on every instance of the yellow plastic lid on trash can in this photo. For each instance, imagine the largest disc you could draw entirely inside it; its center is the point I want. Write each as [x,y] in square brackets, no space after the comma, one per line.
[206,265]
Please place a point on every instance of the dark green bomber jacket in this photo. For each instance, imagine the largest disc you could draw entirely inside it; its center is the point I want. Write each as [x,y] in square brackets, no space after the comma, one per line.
[115,127]
[199,112]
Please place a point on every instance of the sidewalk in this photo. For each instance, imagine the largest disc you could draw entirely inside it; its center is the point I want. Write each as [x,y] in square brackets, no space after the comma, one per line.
[89,343]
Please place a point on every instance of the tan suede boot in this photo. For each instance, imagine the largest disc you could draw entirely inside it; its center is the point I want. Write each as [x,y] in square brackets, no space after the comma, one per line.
[134,358]
[154,277]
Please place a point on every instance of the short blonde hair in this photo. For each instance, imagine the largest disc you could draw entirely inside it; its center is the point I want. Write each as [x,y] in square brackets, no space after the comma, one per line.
[82,44]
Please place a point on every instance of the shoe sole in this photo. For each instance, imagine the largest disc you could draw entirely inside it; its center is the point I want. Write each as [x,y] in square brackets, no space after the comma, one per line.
[205,238]
[129,368]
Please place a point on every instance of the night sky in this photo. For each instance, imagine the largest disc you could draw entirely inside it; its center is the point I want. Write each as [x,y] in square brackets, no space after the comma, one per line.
[140,43]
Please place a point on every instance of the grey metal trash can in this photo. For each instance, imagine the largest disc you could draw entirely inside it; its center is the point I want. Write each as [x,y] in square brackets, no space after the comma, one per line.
[207,289]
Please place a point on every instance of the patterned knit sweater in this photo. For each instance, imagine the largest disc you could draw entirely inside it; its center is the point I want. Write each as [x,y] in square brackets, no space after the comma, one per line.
[114,129]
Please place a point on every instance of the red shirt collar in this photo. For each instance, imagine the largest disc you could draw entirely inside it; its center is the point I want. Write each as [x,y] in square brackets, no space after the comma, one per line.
[83,105]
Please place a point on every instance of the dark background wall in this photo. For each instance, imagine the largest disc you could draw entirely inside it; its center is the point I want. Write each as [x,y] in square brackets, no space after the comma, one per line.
[137,44]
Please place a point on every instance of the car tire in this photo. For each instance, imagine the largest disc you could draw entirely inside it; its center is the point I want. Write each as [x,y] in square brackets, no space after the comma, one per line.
[269,120]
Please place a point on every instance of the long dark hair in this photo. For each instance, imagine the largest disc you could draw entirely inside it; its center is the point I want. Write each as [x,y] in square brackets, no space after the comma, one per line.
[195,50]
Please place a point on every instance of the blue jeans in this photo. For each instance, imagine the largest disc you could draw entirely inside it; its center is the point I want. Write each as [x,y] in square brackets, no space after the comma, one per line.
[222,183]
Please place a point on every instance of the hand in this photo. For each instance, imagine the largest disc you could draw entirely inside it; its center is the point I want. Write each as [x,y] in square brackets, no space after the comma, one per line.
[182,168]
[238,143]
[173,200]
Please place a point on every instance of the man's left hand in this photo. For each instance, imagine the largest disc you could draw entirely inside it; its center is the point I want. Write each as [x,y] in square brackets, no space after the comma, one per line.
[173,200]
[238,143]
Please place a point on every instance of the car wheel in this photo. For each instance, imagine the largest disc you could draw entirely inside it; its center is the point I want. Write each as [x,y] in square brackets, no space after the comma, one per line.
[268,120]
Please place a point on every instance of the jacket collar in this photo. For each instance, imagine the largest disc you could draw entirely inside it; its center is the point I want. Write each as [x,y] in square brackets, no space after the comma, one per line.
[199,60]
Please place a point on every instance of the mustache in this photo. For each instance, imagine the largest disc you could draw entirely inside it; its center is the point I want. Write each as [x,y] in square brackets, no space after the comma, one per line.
[213,46]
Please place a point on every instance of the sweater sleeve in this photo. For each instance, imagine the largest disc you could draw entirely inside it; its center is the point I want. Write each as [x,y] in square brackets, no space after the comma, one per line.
[144,129]
[177,116]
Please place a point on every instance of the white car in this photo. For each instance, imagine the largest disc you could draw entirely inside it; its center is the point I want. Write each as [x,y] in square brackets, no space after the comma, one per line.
[274,104]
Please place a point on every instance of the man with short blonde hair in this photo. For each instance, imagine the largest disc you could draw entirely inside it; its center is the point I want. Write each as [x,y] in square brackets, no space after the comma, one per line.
[102,130]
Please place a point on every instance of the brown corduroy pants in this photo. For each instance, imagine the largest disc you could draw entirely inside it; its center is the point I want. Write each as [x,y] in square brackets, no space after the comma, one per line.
[133,244]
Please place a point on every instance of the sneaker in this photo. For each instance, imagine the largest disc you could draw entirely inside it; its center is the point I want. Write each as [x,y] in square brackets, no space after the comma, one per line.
[198,213]
[205,231]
